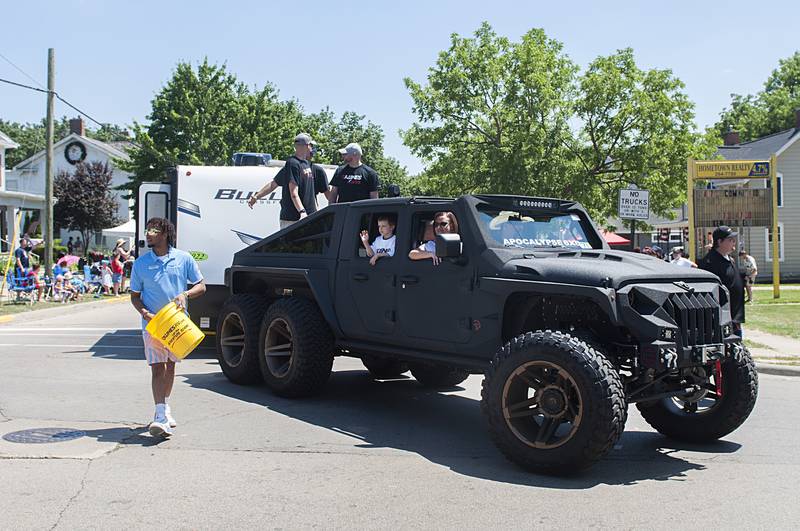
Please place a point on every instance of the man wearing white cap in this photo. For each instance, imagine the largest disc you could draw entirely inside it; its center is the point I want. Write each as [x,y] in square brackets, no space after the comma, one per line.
[354,180]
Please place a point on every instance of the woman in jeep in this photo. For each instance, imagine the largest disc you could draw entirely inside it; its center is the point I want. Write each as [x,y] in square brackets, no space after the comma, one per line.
[443,223]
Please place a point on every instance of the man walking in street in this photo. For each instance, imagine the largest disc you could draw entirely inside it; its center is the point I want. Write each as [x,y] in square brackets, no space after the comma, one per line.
[719,262]
[159,276]
[354,180]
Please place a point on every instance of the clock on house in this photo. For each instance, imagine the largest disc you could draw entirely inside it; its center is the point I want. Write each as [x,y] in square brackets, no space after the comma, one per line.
[75,152]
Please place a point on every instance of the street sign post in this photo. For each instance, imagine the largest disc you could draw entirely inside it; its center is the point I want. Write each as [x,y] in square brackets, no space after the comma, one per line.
[633,204]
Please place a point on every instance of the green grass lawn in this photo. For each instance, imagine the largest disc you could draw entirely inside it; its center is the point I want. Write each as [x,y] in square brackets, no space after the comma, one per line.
[782,320]
[765,297]
[8,308]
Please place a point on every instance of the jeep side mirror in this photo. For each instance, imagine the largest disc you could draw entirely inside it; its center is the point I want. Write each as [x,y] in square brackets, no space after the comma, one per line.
[448,245]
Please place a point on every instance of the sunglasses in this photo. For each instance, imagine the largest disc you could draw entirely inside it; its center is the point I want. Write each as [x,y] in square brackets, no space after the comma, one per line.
[442,224]
[152,232]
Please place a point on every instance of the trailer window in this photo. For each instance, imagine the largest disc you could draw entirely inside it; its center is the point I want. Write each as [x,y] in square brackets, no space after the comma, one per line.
[310,238]
[156,205]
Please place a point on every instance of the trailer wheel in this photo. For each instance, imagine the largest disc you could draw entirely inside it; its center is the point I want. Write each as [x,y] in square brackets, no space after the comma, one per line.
[295,348]
[237,338]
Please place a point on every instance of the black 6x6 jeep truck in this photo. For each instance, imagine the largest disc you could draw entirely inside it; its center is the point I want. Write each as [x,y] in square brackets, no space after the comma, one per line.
[566,331]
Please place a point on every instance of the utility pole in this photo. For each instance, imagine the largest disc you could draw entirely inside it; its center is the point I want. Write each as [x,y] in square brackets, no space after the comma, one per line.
[48,178]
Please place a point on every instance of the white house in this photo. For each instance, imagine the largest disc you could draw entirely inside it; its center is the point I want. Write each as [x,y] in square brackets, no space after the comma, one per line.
[29,175]
[13,202]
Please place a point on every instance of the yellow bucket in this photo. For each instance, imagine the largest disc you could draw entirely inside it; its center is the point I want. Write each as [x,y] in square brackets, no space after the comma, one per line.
[173,329]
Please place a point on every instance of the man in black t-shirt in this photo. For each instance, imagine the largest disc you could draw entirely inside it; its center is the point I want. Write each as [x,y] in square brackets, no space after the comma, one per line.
[354,180]
[300,180]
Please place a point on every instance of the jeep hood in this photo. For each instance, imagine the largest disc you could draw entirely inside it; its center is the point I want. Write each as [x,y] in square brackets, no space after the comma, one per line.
[600,267]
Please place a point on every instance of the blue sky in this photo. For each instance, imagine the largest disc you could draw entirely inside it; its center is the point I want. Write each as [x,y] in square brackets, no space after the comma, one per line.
[112,57]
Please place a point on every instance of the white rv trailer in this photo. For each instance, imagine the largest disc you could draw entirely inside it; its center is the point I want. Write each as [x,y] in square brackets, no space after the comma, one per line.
[208,205]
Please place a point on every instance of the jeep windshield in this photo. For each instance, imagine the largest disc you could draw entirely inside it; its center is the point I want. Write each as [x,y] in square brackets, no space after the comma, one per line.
[531,229]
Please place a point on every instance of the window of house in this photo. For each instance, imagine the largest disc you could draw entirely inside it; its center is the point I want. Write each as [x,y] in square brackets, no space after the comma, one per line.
[309,238]
[369,223]
[768,184]
[768,238]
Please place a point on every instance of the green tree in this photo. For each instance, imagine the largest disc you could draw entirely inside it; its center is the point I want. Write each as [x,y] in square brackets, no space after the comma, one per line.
[31,137]
[770,110]
[494,116]
[516,117]
[204,115]
[84,201]
[636,126]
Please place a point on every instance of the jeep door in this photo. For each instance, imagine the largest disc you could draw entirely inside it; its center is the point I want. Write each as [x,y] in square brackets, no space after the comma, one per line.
[434,302]
[366,295]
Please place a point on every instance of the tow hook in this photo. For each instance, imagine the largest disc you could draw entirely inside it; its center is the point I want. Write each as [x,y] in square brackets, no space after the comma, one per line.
[718,377]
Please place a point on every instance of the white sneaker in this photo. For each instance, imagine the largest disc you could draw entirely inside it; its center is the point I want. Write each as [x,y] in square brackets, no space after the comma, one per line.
[160,428]
[170,419]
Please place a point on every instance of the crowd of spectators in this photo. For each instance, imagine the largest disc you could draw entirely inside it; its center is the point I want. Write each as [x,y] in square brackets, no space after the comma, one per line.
[97,274]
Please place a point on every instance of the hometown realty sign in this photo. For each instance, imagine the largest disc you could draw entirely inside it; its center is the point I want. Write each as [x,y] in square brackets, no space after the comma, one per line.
[634,203]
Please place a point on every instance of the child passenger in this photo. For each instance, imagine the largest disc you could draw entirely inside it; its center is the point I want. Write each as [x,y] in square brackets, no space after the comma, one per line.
[383,244]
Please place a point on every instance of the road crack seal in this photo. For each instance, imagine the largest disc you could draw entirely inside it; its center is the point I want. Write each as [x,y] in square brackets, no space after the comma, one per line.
[75,497]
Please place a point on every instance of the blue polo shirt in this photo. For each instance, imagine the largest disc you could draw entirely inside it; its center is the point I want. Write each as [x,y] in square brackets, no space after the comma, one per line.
[160,279]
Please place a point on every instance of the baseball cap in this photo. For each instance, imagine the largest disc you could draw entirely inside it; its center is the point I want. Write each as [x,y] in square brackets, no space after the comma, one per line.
[304,138]
[350,149]
[724,231]
[677,249]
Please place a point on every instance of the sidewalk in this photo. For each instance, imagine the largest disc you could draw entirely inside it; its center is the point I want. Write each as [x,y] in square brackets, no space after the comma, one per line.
[35,314]
[774,354]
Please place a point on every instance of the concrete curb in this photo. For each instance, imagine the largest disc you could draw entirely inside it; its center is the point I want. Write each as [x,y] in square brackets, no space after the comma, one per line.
[779,370]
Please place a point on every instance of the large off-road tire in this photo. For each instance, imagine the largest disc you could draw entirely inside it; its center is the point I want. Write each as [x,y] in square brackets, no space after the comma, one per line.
[384,368]
[437,376]
[295,348]
[553,403]
[705,418]
[237,338]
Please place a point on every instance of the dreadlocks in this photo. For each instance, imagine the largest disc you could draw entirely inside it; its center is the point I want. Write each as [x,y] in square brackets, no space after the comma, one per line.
[165,226]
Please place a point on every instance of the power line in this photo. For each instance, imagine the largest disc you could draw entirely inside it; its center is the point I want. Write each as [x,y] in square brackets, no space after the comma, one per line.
[65,102]
[24,73]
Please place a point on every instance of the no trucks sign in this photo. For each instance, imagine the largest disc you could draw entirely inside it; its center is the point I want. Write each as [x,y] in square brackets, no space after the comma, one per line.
[634,203]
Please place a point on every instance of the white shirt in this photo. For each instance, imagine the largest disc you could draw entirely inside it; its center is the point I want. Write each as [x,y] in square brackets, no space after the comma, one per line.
[681,262]
[384,246]
[430,246]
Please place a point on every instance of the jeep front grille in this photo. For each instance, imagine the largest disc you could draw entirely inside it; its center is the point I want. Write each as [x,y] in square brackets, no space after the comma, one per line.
[697,318]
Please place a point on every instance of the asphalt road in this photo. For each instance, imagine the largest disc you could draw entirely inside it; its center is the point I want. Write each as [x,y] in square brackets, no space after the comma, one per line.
[364,455]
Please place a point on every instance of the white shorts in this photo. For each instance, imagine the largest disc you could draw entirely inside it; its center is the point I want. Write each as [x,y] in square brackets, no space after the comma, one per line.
[155,352]
[285,223]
